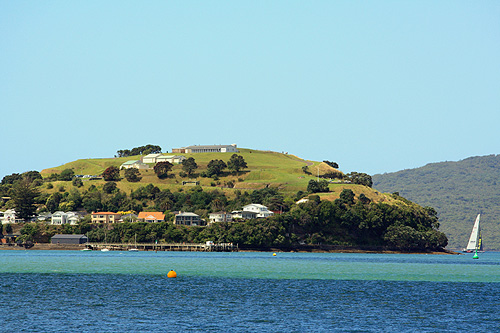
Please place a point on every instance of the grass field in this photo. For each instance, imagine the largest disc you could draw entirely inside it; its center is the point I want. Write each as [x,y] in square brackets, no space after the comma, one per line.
[265,168]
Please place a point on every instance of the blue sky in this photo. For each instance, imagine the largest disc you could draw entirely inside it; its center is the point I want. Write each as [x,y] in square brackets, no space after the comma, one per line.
[376,86]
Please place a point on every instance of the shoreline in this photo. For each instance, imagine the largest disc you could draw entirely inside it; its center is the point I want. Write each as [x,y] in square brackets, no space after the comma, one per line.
[310,249]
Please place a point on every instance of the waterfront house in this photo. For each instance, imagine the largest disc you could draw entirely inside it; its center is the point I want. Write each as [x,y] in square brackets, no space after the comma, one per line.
[261,210]
[220,217]
[207,149]
[69,239]
[105,217]
[151,217]
[188,218]
[60,218]
[9,216]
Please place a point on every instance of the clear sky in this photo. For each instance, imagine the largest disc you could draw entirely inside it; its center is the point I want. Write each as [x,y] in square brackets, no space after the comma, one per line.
[376,86]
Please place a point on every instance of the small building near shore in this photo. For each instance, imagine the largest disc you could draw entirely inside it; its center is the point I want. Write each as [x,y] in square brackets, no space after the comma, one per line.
[69,239]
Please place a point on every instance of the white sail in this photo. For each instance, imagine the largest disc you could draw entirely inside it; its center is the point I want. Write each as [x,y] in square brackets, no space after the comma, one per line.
[474,236]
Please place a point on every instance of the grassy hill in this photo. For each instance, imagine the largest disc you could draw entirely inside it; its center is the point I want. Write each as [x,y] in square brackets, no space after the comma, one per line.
[265,168]
[458,191]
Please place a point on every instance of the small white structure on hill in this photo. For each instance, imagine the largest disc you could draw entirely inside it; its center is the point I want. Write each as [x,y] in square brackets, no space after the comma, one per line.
[134,164]
[150,158]
[174,159]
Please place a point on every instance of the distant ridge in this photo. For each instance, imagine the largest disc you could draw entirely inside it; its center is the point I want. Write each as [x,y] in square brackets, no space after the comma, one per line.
[458,191]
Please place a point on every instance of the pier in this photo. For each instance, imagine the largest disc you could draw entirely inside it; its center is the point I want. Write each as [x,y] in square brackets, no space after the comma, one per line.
[192,247]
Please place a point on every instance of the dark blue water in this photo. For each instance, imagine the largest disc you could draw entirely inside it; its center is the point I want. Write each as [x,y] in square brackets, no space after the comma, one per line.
[204,299]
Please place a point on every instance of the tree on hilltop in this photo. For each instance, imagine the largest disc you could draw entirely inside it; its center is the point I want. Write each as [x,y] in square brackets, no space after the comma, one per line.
[236,163]
[111,174]
[215,167]
[162,169]
[189,165]
[132,175]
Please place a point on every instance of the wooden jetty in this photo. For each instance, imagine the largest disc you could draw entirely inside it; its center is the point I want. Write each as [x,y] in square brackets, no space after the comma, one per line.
[195,247]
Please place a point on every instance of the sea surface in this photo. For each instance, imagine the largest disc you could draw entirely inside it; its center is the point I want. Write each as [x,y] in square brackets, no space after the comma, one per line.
[73,291]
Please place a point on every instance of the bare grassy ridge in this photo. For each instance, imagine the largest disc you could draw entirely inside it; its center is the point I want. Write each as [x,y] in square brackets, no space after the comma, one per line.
[265,168]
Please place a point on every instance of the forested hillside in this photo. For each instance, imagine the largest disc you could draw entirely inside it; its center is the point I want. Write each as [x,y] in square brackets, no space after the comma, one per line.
[458,191]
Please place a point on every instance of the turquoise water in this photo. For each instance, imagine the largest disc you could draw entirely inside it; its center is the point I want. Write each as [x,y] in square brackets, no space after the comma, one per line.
[336,266]
[249,292]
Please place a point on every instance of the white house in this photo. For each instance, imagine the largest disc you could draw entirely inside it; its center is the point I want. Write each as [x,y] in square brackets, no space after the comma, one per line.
[9,216]
[134,164]
[150,158]
[174,159]
[60,218]
[220,217]
[261,210]
[303,200]
[243,215]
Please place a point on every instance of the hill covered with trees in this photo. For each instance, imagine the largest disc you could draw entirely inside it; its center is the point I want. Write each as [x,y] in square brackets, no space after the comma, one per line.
[343,211]
[458,191]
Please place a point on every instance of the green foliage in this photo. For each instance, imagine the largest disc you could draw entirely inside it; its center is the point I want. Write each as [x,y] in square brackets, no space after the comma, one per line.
[24,194]
[30,175]
[10,179]
[305,169]
[142,150]
[132,175]
[458,191]
[189,165]
[52,202]
[332,164]
[315,187]
[360,178]
[77,182]
[8,228]
[215,168]
[111,173]
[347,197]
[236,163]
[162,169]
[109,187]
[66,175]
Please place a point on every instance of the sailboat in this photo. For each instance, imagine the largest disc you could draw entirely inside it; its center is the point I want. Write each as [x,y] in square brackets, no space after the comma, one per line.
[475,243]
[105,241]
[134,249]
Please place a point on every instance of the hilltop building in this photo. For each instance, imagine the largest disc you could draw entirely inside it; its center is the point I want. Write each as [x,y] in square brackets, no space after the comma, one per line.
[207,149]
[134,164]
[151,158]
[174,159]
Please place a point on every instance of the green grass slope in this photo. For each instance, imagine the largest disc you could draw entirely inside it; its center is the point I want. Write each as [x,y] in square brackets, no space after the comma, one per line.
[458,191]
[265,168]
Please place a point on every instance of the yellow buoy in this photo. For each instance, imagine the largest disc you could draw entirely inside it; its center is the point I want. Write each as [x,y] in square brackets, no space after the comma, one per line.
[172,274]
[274,254]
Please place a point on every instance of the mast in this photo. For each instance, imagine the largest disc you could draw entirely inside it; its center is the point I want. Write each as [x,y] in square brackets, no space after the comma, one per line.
[475,236]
